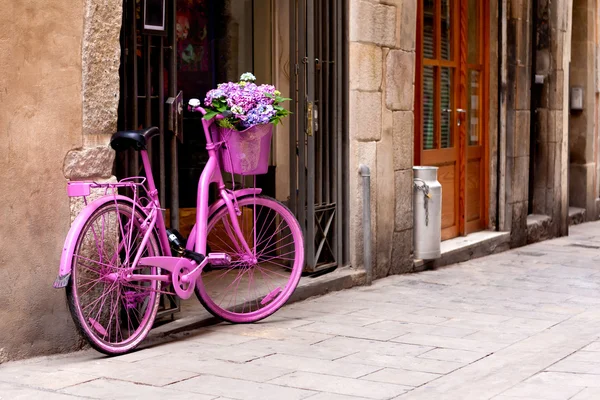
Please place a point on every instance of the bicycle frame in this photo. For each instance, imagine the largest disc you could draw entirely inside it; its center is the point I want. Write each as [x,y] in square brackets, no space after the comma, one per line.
[182,270]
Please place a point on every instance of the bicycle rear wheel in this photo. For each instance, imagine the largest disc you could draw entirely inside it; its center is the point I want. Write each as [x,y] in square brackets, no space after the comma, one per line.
[253,287]
[112,313]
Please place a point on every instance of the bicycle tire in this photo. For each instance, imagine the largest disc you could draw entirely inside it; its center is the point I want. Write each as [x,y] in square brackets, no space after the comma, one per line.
[94,328]
[275,298]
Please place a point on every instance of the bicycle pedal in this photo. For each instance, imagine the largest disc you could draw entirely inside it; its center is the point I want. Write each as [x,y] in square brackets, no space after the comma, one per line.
[219,259]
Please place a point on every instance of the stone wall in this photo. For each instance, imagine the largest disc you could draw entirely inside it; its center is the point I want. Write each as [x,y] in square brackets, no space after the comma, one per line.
[382,62]
[583,139]
[40,121]
[551,116]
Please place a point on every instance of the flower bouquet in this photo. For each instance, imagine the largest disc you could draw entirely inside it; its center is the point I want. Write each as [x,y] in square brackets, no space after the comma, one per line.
[250,104]
[247,131]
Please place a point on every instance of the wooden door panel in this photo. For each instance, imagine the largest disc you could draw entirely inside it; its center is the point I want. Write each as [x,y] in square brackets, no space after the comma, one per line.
[447,178]
[450,111]
[473,190]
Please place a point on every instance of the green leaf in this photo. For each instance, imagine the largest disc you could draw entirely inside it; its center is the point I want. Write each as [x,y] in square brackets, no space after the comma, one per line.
[210,115]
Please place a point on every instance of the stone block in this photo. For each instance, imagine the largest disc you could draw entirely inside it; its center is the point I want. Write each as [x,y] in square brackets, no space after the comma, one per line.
[522,133]
[581,187]
[366,65]
[523,93]
[540,168]
[538,228]
[403,139]
[519,224]
[402,261]
[551,167]
[520,187]
[407,28]
[89,162]
[373,23]
[400,80]
[403,183]
[385,196]
[101,56]
[365,116]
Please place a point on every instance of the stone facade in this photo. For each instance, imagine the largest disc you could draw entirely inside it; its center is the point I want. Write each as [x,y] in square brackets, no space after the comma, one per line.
[382,63]
[40,122]
[65,86]
[583,126]
[550,180]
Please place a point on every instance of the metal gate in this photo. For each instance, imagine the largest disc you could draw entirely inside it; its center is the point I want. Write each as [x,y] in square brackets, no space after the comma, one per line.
[148,75]
[318,144]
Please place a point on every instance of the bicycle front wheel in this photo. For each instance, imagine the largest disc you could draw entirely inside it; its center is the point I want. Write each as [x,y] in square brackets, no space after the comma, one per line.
[253,286]
[114,313]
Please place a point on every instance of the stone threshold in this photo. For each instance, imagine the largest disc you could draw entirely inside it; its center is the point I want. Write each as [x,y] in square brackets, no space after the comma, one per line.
[576,216]
[464,248]
[194,316]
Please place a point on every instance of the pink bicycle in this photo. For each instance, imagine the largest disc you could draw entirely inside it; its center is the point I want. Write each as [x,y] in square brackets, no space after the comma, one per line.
[243,259]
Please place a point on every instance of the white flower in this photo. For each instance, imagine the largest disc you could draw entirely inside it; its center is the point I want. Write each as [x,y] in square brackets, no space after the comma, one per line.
[247,77]
[237,110]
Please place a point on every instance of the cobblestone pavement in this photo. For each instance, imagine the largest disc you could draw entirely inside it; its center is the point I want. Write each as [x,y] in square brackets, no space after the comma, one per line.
[518,325]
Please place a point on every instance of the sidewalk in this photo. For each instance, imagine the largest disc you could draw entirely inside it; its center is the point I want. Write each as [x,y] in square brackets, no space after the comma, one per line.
[524,324]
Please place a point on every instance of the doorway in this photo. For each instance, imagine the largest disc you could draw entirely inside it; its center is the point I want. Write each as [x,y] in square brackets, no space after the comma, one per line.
[451,107]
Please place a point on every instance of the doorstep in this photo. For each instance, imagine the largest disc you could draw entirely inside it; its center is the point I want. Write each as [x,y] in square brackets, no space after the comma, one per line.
[464,248]
[194,316]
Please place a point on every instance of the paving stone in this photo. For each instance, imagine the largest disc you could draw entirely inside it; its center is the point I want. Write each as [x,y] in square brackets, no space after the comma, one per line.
[566,379]
[117,390]
[43,378]
[115,369]
[401,377]
[449,343]
[405,327]
[339,385]
[354,345]
[190,362]
[587,394]
[461,356]
[15,392]
[337,368]
[406,362]
[545,392]
[594,346]
[331,396]
[298,349]
[239,389]
[343,330]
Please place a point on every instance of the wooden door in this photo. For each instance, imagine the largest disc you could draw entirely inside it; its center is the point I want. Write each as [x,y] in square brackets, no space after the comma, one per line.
[449,108]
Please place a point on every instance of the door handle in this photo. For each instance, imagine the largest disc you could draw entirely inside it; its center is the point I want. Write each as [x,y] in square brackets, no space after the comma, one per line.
[460,111]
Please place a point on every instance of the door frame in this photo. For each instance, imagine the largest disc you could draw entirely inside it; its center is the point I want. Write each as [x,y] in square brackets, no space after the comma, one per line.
[460,101]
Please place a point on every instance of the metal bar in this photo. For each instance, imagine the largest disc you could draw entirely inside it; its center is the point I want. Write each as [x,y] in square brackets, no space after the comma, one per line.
[148,90]
[293,203]
[320,128]
[310,80]
[343,161]
[365,173]
[133,155]
[174,163]
[125,66]
[161,124]
[302,112]
[335,126]
[327,117]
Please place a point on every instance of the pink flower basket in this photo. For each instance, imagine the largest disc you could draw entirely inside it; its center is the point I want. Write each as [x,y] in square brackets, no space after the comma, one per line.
[246,152]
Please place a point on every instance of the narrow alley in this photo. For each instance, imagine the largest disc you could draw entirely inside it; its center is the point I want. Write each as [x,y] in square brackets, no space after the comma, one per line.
[523,324]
